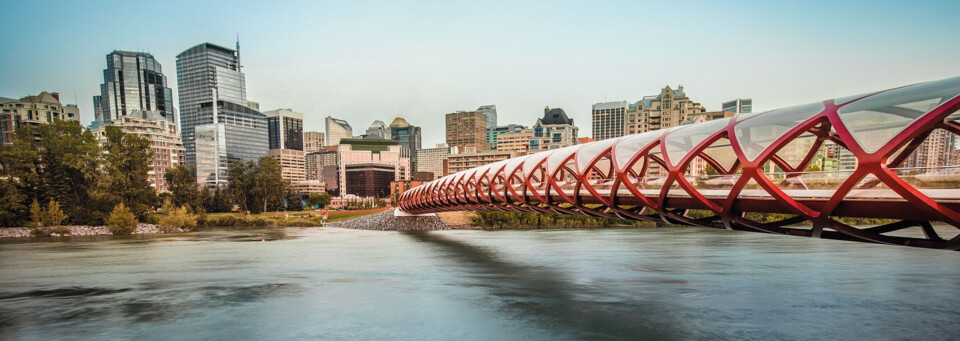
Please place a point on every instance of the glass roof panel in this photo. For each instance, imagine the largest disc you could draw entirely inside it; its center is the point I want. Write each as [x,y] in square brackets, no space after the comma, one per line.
[591,150]
[759,132]
[680,142]
[557,156]
[722,153]
[530,165]
[630,145]
[874,120]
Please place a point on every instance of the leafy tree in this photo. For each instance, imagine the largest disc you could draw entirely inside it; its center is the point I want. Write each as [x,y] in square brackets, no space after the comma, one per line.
[319,199]
[183,186]
[242,182]
[53,215]
[269,184]
[127,162]
[256,185]
[294,202]
[36,214]
[57,161]
[219,202]
[13,202]
[121,220]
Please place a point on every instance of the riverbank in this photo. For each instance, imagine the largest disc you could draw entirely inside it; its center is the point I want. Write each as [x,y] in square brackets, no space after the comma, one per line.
[386,221]
[80,230]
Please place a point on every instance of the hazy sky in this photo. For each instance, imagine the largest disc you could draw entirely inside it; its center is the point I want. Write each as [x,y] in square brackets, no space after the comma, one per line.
[366,61]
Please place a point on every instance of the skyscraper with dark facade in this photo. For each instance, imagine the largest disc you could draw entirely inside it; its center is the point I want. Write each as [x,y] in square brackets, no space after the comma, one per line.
[285,127]
[132,81]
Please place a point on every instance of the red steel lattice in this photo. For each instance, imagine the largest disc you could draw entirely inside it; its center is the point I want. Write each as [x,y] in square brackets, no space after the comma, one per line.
[720,173]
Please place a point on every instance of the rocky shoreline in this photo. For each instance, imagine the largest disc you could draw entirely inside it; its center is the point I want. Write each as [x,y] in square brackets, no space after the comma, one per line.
[81,230]
[385,221]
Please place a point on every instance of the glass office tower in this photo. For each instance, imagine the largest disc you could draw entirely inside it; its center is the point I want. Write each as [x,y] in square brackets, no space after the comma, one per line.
[206,73]
[132,81]
[239,135]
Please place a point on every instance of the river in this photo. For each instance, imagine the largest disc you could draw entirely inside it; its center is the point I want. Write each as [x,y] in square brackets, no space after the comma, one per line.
[665,283]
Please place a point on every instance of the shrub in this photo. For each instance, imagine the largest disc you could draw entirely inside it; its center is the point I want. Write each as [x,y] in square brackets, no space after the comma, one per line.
[121,220]
[41,231]
[177,218]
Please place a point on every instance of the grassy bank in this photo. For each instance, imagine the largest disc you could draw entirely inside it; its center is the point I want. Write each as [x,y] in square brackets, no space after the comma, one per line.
[277,219]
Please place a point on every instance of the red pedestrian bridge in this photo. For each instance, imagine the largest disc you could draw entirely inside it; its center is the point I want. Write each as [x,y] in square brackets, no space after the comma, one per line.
[879,167]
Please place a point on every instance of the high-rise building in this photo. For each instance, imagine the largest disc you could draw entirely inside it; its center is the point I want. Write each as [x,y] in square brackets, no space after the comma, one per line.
[491,112]
[935,151]
[31,111]
[668,109]
[405,133]
[315,161]
[408,135]
[471,158]
[555,130]
[239,134]
[132,82]
[609,120]
[467,129]
[494,132]
[431,160]
[337,129]
[312,141]
[515,141]
[164,141]
[285,127]
[739,106]
[379,129]
[208,76]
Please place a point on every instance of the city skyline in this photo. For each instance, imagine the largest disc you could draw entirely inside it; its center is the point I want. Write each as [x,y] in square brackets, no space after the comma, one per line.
[804,52]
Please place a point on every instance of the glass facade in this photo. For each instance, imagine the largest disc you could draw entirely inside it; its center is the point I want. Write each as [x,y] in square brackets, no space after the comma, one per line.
[239,135]
[132,81]
[207,73]
[491,112]
[369,180]
[285,128]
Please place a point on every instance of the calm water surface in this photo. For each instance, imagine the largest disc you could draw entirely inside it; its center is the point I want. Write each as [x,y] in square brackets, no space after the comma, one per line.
[669,283]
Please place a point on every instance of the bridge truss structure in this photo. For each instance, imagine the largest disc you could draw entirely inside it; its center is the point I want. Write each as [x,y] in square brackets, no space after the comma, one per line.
[880,167]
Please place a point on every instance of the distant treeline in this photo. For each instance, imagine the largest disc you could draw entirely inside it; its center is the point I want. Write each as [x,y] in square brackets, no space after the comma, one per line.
[529,220]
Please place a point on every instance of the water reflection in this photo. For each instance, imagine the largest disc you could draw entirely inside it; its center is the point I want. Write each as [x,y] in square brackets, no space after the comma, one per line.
[543,296]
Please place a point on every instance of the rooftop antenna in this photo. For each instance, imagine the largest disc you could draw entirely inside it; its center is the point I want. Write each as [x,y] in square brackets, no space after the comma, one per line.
[238,51]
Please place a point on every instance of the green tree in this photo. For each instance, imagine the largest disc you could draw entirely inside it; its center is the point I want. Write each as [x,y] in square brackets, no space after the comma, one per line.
[320,200]
[121,220]
[183,186]
[269,184]
[57,161]
[293,200]
[36,214]
[13,202]
[219,202]
[53,215]
[242,183]
[128,160]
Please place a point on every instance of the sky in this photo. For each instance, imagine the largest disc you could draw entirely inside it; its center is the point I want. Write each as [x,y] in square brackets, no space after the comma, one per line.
[364,61]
